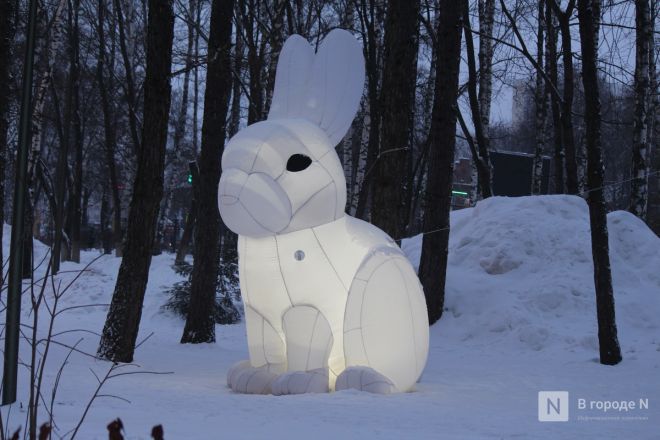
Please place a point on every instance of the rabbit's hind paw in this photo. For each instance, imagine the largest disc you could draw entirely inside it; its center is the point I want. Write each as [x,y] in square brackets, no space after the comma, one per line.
[364,379]
[301,382]
[245,379]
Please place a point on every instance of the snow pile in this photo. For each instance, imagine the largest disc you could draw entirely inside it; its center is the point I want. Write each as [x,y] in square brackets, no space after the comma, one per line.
[520,318]
[520,272]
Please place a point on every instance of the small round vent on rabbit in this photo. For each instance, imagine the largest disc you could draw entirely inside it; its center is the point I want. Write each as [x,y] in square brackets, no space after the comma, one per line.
[330,301]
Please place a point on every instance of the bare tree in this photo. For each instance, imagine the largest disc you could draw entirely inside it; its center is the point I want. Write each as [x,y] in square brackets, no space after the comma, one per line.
[6,32]
[109,127]
[200,324]
[570,155]
[642,121]
[123,320]
[391,172]
[371,13]
[433,262]
[589,19]
[553,78]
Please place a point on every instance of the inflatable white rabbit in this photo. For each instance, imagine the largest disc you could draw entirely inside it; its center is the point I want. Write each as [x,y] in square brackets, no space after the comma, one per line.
[330,301]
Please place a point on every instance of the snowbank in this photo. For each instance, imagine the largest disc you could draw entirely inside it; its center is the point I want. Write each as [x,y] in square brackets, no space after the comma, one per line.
[520,273]
[520,318]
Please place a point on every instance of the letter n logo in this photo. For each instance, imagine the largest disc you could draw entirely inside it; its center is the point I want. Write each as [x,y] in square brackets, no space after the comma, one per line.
[553,406]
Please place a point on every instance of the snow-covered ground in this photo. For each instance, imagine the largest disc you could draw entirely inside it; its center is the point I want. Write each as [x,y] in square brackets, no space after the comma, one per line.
[519,319]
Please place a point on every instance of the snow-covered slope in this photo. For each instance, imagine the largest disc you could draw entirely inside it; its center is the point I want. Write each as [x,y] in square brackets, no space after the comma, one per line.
[519,319]
[520,273]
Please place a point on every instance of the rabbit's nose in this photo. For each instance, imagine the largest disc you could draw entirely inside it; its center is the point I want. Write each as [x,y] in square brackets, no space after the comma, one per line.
[252,204]
[232,182]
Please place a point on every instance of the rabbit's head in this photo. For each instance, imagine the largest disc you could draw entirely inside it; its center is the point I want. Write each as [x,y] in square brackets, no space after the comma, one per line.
[283,174]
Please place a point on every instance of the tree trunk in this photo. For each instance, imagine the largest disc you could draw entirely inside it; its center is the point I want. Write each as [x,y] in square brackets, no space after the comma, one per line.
[186,236]
[570,158]
[51,49]
[372,44]
[276,42]
[106,242]
[399,79]
[195,127]
[249,13]
[641,145]
[481,159]
[433,261]
[235,113]
[551,68]
[6,33]
[200,324]
[109,131]
[486,18]
[540,101]
[589,17]
[76,194]
[123,320]
[131,94]
[179,133]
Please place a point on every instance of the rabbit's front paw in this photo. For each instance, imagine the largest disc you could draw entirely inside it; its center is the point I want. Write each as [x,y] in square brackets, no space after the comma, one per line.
[300,382]
[364,379]
[246,379]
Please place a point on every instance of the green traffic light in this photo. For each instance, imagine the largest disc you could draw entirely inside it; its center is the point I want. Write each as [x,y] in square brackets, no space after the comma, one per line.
[459,193]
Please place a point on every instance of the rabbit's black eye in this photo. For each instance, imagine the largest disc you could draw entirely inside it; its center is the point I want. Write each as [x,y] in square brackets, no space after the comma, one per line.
[298,162]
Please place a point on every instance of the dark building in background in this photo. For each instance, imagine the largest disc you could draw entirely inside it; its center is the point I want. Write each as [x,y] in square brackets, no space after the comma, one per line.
[513,173]
[512,177]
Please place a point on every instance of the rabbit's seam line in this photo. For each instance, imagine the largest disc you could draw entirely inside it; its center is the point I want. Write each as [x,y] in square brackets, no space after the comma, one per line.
[279,265]
[309,200]
[364,345]
[410,309]
[254,161]
[329,261]
[263,339]
[371,273]
[311,339]
[252,217]
[352,330]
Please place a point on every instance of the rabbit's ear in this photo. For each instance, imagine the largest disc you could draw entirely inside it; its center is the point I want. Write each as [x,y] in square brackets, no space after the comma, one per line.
[335,84]
[291,79]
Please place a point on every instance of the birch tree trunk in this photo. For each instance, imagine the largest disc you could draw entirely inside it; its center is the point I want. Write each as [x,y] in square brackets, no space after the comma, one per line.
[551,68]
[123,320]
[589,19]
[540,101]
[433,261]
[642,118]
[50,52]
[480,154]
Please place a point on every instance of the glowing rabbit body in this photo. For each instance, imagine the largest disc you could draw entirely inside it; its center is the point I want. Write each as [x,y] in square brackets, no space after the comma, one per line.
[330,301]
